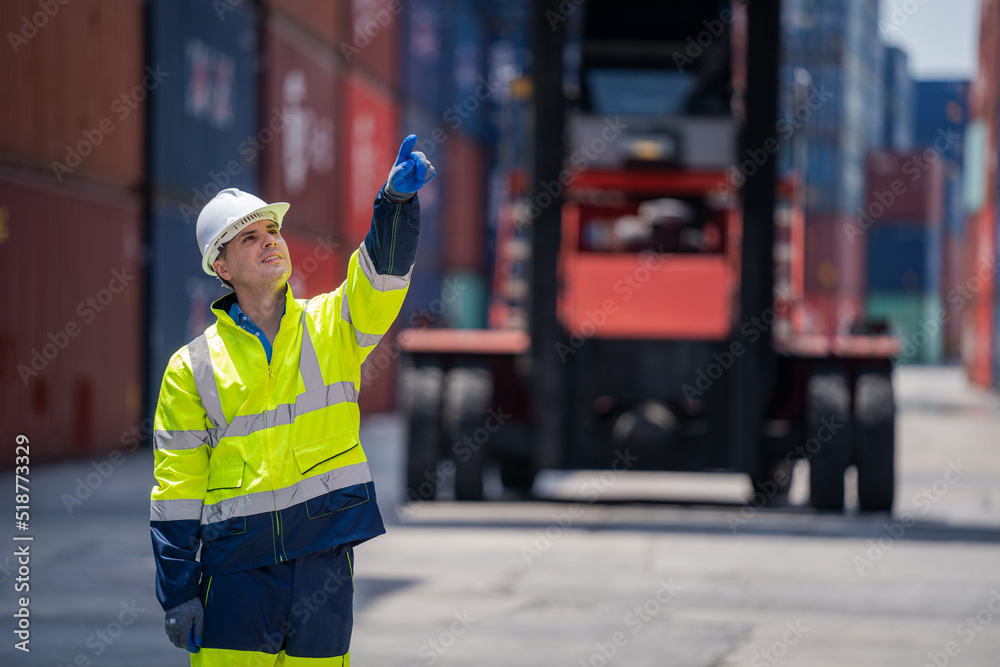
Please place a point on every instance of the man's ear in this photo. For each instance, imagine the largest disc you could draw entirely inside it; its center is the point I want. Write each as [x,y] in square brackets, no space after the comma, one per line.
[220,269]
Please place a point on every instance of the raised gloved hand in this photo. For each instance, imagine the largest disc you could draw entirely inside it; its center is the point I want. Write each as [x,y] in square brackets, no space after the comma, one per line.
[185,624]
[411,171]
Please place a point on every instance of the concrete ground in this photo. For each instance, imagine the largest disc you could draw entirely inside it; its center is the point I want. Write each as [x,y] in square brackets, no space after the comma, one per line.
[690,576]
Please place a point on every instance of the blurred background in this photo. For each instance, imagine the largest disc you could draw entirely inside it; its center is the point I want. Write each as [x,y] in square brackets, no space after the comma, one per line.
[700,356]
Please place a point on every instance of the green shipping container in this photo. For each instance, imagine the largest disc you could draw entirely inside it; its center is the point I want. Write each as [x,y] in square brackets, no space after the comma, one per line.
[467,309]
[916,318]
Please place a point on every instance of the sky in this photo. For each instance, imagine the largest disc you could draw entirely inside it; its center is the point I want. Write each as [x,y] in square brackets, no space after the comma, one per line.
[940,37]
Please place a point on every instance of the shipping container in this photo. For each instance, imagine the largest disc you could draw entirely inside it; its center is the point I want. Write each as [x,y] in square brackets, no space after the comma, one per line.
[322,18]
[426,55]
[204,133]
[369,144]
[425,302]
[469,108]
[74,89]
[378,375]
[954,212]
[180,292]
[319,261]
[373,42]
[905,186]
[432,140]
[952,278]
[916,318]
[904,257]
[468,309]
[834,255]
[465,205]
[71,339]
[299,166]
[941,113]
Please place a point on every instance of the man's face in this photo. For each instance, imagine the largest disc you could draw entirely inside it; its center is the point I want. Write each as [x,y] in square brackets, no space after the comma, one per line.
[258,256]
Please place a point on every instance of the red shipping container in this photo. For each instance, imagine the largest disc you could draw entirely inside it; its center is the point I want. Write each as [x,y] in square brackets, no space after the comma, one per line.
[465,206]
[319,264]
[835,255]
[906,186]
[951,281]
[373,42]
[299,166]
[368,148]
[322,18]
[74,89]
[71,336]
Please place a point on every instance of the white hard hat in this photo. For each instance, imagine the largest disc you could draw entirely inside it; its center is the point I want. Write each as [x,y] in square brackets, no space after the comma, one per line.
[222,219]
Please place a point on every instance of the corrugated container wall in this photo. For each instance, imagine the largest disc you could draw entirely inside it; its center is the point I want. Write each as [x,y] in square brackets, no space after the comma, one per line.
[904,257]
[299,166]
[433,141]
[373,42]
[470,106]
[464,208]
[369,144]
[74,86]
[70,338]
[905,186]
[204,129]
[426,55]
[941,110]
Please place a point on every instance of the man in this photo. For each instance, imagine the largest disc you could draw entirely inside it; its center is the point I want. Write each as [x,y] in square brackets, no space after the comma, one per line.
[257,456]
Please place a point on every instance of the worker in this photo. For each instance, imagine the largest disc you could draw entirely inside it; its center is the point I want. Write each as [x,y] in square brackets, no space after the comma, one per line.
[258,461]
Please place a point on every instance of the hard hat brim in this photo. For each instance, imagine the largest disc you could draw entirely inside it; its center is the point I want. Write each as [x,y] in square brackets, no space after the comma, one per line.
[275,212]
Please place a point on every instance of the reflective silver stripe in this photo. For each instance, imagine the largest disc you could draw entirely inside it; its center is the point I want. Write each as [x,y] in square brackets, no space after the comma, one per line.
[379,281]
[266,501]
[174,440]
[286,413]
[364,340]
[312,376]
[174,510]
[204,379]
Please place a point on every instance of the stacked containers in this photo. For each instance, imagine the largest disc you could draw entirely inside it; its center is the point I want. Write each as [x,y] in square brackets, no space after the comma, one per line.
[837,44]
[204,136]
[70,233]
[905,207]
[941,112]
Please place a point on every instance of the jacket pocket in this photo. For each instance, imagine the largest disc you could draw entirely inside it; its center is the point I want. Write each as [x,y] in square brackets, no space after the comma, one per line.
[310,454]
[338,500]
[225,473]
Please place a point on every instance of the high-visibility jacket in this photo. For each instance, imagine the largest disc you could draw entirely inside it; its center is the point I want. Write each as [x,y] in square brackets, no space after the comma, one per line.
[258,463]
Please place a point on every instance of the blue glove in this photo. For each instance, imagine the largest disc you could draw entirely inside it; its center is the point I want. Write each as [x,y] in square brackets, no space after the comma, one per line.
[185,625]
[411,171]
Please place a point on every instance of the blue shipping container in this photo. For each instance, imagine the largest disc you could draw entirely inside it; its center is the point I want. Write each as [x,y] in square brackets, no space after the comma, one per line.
[941,106]
[180,293]
[904,257]
[432,139]
[204,134]
[469,108]
[426,55]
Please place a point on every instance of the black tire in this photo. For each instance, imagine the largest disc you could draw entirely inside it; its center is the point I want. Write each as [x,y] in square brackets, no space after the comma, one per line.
[828,425]
[421,399]
[875,441]
[772,484]
[467,393]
